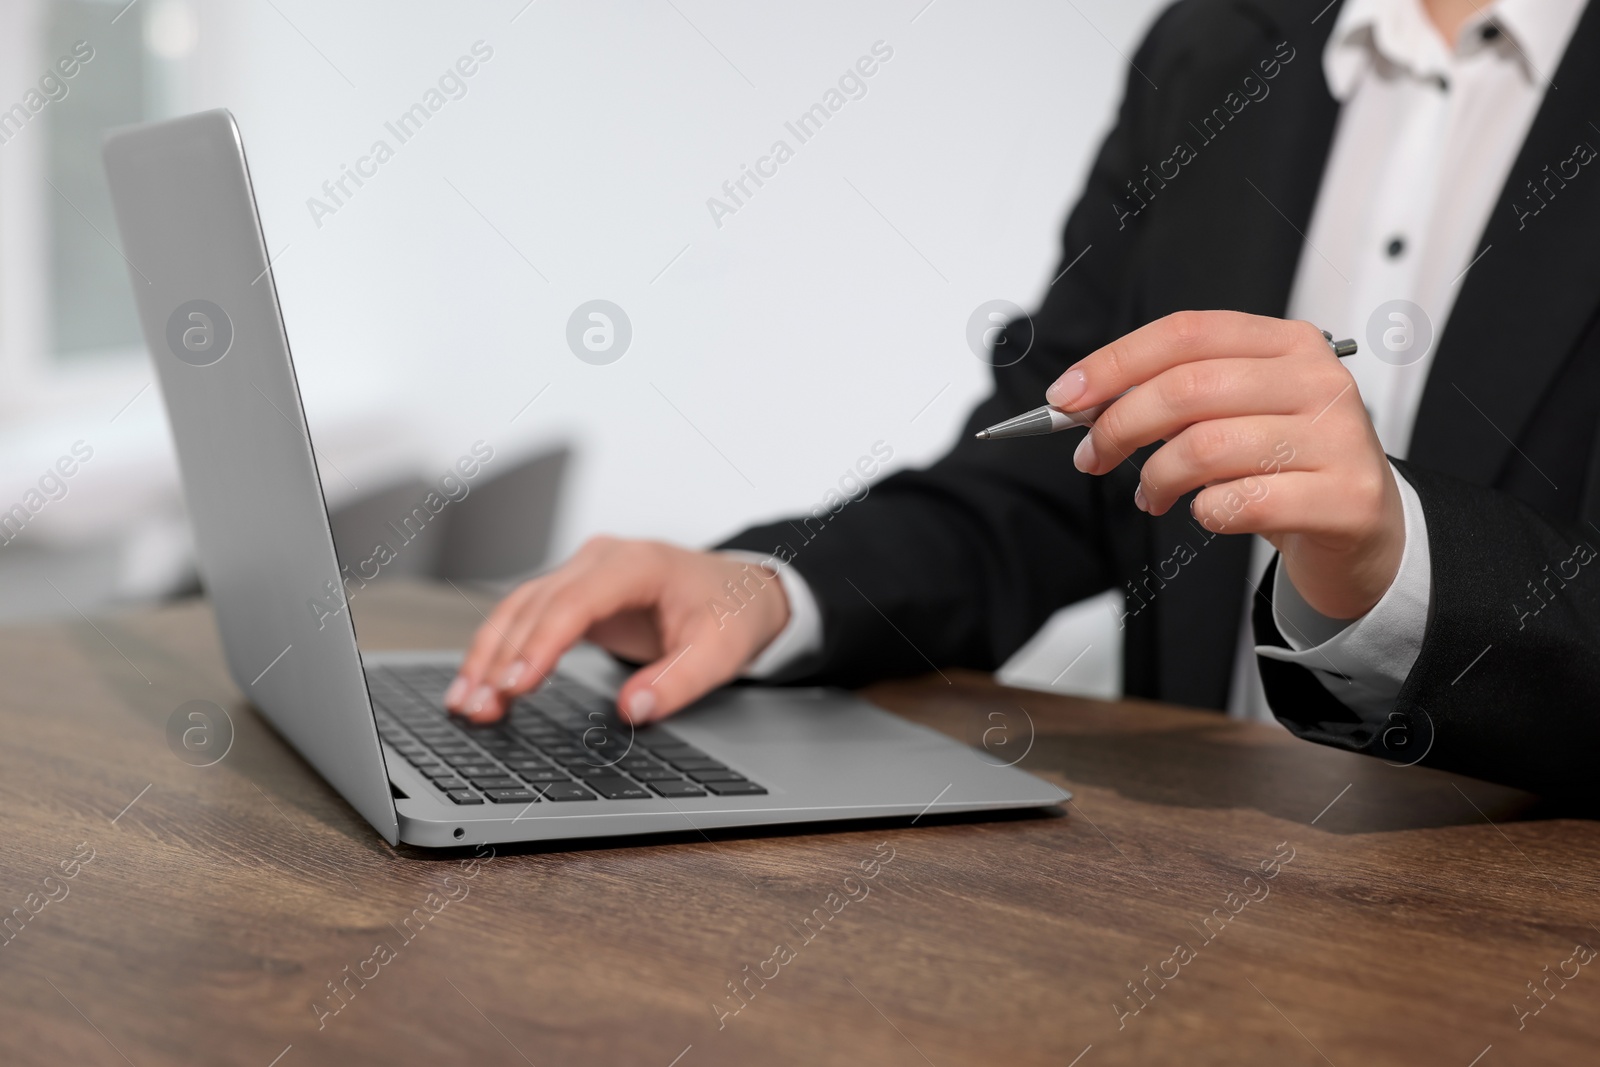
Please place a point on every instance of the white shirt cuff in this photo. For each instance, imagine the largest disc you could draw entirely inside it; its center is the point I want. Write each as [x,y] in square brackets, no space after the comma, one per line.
[801,636]
[1363,663]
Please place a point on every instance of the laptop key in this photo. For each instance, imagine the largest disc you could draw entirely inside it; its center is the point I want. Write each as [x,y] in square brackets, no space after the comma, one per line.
[617,788]
[545,774]
[674,754]
[701,764]
[567,791]
[524,712]
[660,775]
[716,776]
[726,789]
[596,763]
[438,770]
[464,796]
[479,770]
[496,782]
[676,750]
[511,796]
[584,771]
[677,788]
[449,785]
[653,738]
[527,763]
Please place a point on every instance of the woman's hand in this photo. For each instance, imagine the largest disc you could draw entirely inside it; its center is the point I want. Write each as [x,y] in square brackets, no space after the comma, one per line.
[1260,415]
[693,618]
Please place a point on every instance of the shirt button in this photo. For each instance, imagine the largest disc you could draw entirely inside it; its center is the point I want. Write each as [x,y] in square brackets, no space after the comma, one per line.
[1395,247]
[1442,82]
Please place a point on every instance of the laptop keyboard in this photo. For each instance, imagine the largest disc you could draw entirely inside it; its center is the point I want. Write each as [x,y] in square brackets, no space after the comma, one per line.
[563,743]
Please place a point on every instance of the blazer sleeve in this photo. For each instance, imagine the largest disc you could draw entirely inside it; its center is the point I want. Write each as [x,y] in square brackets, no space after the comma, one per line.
[959,563]
[1505,685]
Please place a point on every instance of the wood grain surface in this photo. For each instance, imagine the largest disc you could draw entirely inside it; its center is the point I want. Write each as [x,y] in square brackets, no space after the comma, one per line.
[163,913]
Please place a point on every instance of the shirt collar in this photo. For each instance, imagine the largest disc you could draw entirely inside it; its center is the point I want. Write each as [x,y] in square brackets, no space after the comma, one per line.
[1540,30]
[1399,34]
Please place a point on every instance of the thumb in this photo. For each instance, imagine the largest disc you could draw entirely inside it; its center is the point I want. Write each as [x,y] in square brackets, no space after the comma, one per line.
[682,675]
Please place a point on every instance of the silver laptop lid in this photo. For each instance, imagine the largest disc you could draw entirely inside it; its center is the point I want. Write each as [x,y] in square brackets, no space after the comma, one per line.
[199,269]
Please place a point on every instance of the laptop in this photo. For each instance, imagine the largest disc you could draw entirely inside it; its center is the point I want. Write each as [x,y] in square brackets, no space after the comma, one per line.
[562,766]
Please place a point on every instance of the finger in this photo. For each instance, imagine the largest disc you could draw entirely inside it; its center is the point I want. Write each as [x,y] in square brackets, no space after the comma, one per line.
[507,671]
[1223,450]
[551,625]
[1135,358]
[488,699]
[1294,502]
[471,672]
[483,700]
[682,675]
[602,575]
[473,692]
[1196,392]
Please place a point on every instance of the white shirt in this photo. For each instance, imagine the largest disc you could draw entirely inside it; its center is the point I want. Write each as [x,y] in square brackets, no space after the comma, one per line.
[1425,141]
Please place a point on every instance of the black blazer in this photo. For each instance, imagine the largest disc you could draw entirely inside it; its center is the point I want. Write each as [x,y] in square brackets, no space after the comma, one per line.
[958,564]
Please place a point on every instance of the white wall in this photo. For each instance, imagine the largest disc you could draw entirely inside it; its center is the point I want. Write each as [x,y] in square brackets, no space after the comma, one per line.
[793,337]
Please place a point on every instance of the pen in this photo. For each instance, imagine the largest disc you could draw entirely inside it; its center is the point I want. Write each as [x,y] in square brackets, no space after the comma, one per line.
[1047,419]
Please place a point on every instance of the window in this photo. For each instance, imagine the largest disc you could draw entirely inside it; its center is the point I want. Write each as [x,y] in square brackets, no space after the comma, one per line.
[91,305]
[90,65]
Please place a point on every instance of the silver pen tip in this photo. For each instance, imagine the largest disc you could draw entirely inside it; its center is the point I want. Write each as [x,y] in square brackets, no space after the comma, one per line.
[982,435]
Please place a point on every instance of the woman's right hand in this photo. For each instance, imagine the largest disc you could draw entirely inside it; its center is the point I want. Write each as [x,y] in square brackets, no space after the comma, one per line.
[644,601]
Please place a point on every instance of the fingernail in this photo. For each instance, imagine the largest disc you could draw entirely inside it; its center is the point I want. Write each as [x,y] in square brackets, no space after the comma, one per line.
[641,704]
[1084,458]
[1139,501]
[1067,388]
[457,692]
[514,675]
[482,700]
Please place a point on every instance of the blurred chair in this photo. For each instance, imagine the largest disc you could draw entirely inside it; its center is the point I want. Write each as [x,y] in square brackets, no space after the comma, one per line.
[499,531]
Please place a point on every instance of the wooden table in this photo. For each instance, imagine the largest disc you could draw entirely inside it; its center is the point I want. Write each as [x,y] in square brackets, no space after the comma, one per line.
[220,902]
